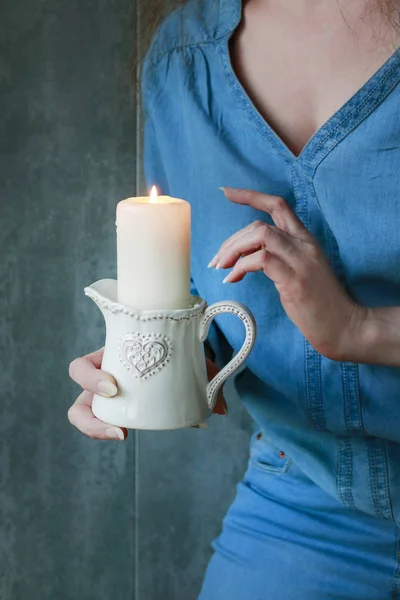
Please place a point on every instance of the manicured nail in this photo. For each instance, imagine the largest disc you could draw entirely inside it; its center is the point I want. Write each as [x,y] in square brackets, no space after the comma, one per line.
[222,188]
[107,388]
[217,266]
[212,262]
[226,280]
[113,433]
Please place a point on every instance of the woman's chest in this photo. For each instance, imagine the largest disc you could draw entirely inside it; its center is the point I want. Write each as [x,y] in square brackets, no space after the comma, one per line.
[349,197]
[299,73]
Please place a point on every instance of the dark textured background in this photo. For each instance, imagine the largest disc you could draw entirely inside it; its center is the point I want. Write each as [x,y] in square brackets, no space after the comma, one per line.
[83,520]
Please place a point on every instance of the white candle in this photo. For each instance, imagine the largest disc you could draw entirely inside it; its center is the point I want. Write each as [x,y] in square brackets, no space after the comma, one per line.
[153,250]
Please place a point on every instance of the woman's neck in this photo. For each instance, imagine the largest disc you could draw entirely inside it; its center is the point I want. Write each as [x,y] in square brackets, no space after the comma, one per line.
[300,67]
[326,11]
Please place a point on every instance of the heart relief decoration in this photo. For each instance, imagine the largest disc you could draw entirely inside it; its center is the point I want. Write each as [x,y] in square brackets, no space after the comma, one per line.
[145,355]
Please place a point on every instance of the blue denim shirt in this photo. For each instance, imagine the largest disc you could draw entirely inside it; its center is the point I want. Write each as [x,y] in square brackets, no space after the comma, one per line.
[339,421]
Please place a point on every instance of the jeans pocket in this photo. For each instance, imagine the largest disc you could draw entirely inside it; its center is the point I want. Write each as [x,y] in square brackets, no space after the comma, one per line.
[267,457]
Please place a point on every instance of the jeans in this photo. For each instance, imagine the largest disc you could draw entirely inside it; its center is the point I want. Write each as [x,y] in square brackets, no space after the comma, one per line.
[284,538]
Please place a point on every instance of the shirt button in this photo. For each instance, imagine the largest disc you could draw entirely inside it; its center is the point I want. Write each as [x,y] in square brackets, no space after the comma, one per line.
[259,436]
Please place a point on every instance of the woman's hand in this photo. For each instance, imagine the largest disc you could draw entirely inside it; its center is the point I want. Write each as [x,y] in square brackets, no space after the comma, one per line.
[220,406]
[87,373]
[289,255]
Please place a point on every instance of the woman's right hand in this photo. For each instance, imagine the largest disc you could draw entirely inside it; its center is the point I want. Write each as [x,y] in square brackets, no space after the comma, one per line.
[86,371]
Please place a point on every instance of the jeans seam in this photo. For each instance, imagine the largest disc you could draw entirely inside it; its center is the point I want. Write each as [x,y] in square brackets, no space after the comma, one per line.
[345,472]
[395,595]
[313,375]
[301,200]
[314,393]
[274,470]
[379,479]
[357,108]
[352,408]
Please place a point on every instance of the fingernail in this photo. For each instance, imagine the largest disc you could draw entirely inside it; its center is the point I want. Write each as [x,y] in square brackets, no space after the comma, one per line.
[222,188]
[226,280]
[212,263]
[217,266]
[113,433]
[225,409]
[107,388]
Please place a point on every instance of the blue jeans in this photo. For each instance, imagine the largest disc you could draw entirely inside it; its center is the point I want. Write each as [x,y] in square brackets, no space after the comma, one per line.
[284,538]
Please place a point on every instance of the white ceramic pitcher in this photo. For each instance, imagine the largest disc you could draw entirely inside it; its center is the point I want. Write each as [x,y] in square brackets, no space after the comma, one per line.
[157,359]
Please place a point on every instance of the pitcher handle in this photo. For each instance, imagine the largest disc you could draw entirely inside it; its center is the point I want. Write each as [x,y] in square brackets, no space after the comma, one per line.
[249,322]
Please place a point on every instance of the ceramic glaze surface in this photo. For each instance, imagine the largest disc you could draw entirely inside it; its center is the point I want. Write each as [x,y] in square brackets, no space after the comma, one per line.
[157,359]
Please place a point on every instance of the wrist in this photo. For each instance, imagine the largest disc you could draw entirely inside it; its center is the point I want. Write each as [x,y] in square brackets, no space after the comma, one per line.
[368,343]
[381,337]
[364,336]
[358,337]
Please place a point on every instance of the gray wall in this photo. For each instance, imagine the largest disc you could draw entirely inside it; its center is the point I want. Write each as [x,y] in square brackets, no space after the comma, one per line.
[83,520]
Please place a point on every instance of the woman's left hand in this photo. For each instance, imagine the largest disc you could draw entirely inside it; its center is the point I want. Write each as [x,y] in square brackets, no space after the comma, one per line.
[290,256]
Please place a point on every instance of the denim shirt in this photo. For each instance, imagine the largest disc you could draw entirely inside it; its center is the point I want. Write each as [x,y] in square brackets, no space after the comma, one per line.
[338,421]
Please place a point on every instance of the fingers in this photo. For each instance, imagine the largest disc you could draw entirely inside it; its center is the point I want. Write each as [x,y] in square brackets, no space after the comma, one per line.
[215,262]
[220,406]
[274,267]
[262,237]
[81,416]
[86,372]
[277,207]
[96,357]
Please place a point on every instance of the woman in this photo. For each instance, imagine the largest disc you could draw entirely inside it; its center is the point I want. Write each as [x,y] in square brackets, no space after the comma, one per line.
[296,107]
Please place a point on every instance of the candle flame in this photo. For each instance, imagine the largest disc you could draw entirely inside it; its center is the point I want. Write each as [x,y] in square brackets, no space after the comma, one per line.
[154,195]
